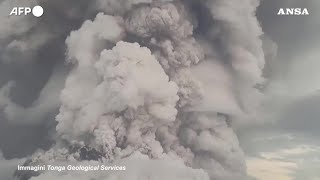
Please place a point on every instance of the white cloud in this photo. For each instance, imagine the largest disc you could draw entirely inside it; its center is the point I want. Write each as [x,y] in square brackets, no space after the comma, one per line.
[285,153]
[275,137]
[298,162]
[264,169]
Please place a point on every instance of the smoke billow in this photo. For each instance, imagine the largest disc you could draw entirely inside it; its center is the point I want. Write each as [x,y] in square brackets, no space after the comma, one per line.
[153,84]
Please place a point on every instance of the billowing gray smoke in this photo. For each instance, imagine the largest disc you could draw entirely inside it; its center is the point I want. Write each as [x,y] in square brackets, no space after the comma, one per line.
[154,84]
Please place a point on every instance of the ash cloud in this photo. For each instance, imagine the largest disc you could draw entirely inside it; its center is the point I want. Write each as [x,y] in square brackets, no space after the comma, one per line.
[141,77]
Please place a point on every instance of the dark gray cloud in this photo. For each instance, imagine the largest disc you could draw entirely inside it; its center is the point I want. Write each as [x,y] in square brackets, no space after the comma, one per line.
[291,110]
[293,34]
[30,56]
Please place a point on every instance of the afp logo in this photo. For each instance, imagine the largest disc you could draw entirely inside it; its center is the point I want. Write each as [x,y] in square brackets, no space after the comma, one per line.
[293,11]
[37,11]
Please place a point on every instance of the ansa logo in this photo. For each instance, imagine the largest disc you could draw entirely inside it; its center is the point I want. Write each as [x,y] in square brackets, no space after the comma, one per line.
[293,11]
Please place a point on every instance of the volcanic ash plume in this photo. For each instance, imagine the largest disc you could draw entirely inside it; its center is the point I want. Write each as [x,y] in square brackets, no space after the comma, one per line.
[158,85]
